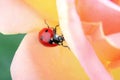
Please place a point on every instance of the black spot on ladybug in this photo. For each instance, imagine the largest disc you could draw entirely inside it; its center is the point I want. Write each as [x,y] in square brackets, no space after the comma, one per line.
[46,30]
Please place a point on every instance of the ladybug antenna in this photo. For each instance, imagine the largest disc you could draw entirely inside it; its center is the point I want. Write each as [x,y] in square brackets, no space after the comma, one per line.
[46,23]
[56,26]
[55,29]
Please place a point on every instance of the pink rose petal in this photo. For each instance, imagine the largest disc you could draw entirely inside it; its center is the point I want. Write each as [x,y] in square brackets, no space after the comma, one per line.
[33,61]
[72,30]
[115,39]
[103,11]
[17,17]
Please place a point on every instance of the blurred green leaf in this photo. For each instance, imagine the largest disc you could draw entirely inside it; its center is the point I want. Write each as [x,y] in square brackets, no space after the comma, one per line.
[8,46]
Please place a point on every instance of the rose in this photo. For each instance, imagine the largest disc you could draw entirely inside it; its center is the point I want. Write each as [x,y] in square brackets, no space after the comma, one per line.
[38,62]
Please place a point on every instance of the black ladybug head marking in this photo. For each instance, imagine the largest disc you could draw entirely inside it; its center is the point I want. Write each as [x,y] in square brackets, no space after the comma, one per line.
[61,38]
[46,30]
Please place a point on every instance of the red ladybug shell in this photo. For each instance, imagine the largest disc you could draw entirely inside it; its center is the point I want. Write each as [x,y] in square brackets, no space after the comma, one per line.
[45,35]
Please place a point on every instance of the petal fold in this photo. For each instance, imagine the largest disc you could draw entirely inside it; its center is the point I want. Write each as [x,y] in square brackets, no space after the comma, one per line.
[103,11]
[33,61]
[106,47]
[73,33]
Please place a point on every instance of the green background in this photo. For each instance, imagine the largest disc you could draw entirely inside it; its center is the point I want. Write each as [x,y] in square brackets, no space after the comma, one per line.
[8,46]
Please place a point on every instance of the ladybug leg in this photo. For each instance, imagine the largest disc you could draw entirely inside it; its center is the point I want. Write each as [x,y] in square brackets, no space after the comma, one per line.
[46,23]
[65,46]
[56,26]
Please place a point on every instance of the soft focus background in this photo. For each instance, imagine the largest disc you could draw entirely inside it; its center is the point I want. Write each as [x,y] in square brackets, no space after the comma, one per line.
[8,46]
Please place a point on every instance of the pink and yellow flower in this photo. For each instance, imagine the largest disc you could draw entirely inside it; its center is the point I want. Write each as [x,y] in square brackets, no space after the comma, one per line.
[90,27]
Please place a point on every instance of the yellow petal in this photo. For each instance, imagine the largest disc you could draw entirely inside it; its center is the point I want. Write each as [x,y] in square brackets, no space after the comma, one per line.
[34,61]
[45,8]
[116,73]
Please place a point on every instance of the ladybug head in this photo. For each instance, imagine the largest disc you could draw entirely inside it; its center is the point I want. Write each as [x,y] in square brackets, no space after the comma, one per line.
[60,38]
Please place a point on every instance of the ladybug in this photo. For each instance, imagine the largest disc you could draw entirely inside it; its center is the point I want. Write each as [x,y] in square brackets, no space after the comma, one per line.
[49,38]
